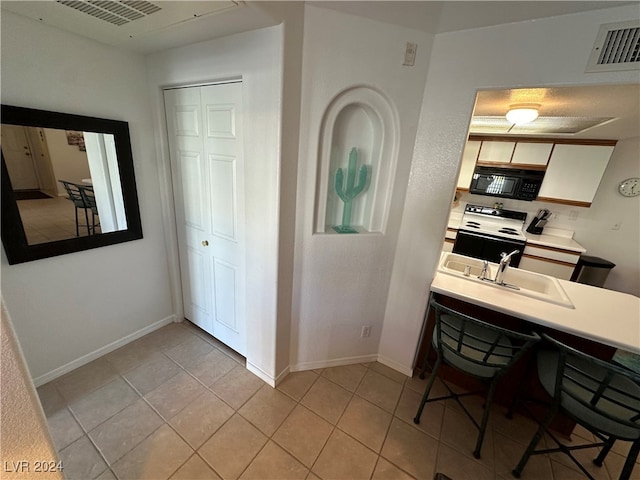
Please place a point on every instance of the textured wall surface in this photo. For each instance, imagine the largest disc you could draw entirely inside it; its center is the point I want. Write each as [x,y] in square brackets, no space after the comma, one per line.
[25,446]
[67,308]
[545,52]
[341,281]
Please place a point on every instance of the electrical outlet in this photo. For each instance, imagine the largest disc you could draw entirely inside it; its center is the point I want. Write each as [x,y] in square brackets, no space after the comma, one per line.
[366,331]
[573,215]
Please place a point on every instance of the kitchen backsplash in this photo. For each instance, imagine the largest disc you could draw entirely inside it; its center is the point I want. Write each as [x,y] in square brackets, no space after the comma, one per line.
[565,217]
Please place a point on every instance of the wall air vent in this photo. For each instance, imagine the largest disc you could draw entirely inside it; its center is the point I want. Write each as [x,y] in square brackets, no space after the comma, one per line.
[117,13]
[617,47]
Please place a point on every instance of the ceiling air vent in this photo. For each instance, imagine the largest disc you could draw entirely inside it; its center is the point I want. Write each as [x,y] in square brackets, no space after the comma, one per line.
[116,13]
[617,47]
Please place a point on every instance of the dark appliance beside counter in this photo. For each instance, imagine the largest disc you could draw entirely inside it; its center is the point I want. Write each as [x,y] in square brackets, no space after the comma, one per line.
[506,183]
[486,233]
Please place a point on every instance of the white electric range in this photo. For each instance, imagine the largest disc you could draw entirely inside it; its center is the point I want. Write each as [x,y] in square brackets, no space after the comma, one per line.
[487,233]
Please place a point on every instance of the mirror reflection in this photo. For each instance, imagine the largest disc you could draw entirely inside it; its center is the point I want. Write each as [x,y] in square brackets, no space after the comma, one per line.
[66,183]
[80,171]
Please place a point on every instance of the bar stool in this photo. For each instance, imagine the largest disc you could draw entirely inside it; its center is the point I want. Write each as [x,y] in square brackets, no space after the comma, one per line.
[78,197]
[89,199]
[602,397]
[476,348]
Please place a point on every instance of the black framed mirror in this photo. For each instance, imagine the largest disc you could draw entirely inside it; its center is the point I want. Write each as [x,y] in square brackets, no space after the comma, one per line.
[68,184]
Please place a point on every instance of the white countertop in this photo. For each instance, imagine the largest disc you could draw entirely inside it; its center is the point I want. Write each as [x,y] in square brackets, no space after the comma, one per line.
[556,241]
[606,316]
[455,219]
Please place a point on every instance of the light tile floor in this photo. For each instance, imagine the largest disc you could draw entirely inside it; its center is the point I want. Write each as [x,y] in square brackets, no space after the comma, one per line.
[51,219]
[178,404]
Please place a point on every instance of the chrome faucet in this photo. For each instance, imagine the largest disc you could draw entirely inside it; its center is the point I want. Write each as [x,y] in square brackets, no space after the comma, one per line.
[505,260]
[485,269]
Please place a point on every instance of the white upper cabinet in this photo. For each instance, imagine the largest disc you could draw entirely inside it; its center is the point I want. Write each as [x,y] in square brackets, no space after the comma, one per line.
[469,157]
[496,152]
[531,153]
[574,173]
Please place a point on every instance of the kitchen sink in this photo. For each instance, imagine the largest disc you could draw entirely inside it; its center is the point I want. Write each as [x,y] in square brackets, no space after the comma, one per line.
[474,265]
[530,284]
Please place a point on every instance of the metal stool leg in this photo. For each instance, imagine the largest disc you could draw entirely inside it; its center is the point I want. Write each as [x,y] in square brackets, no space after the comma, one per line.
[534,442]
[77,229]
[86,217]
[425,397]
[631,461]
[604,452]
[425,362]
[485,417]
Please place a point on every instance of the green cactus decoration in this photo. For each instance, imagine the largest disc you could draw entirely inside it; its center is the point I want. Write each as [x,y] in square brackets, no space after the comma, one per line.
[351,191]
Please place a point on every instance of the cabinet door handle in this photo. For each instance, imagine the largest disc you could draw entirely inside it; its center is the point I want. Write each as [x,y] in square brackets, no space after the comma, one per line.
[205,243]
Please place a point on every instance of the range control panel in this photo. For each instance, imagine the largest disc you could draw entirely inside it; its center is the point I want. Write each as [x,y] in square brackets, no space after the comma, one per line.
[496,212]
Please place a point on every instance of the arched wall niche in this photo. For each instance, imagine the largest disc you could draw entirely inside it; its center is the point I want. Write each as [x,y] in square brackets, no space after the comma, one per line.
[363,118]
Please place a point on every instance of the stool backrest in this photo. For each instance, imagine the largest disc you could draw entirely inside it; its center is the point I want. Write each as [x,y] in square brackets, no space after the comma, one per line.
[608,390]
[88,197]
[478,342]
[74,192]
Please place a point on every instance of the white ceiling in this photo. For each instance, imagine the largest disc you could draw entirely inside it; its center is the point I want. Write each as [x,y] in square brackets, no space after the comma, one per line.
[449,16]
[181,23]
[620,103]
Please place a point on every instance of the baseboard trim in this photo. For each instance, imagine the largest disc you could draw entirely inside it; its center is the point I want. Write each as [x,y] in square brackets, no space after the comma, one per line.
[282,375]
[338,362]
[408,371]
[58,372]
[264,376]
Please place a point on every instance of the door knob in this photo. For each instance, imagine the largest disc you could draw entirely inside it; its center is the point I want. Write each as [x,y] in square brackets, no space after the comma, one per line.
[205,243]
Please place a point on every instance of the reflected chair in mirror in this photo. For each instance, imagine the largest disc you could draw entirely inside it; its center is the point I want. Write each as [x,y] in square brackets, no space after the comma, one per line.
[80,202]
[89,198]
[602,397]
[475,348]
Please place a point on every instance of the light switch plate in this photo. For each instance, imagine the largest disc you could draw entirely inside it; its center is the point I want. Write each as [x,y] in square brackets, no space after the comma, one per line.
[410,54]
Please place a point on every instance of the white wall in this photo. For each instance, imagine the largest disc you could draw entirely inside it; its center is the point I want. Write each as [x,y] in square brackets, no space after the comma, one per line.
[68,161]
[256,57]
[552,51]
[593,227]
[341,281]
[23,427]
[290,132]
[67,308]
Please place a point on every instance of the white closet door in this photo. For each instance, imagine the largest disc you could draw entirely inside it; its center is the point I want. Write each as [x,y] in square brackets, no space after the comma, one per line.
[18,157]
[205,140]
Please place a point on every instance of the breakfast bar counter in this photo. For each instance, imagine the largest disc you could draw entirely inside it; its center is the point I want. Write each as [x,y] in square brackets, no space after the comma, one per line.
[604,316]
[591,319]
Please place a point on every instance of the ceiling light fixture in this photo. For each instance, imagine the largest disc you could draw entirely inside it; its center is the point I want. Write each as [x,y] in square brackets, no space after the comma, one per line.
[522,113]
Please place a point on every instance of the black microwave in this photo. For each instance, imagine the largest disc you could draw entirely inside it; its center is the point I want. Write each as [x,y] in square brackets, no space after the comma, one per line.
[506,182]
